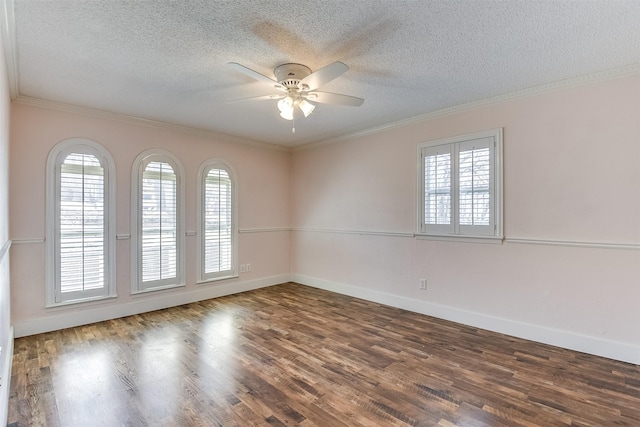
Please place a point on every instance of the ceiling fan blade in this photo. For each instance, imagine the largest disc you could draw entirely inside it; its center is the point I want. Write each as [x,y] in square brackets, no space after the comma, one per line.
[253,74]
[334,98]
[324,75]
[257,98]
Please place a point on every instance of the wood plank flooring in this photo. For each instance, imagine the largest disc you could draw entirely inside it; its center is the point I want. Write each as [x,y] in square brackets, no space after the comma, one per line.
[291,355]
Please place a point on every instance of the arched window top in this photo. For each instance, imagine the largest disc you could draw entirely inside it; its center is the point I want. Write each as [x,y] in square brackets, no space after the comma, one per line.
[81,159]
[69,150]
[218,172]
[158,167]
[155,157]
[217,167]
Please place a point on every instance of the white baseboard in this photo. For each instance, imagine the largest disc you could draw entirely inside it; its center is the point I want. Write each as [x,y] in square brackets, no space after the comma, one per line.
[587,344]
[624,352]
[109,310]
[6,358]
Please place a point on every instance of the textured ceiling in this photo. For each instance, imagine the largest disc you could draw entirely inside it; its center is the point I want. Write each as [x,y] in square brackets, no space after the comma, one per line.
[167,60]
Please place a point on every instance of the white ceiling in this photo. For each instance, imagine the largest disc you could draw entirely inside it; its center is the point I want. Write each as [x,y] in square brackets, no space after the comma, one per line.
[167,60]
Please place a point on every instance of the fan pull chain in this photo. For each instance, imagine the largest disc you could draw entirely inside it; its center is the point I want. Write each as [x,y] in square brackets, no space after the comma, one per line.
[293,124]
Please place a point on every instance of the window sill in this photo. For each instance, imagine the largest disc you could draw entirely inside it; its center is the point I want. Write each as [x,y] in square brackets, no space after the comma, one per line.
[494,240]
[217,279]
[63,304]
[156,288]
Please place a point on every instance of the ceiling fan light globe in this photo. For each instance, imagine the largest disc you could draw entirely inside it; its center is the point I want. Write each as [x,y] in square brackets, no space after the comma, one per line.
[287,115]
[306,107]
[286,104]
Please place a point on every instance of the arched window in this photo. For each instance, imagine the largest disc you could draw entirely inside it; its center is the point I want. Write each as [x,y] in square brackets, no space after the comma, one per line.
[217,250]
[157,235]
[80,222]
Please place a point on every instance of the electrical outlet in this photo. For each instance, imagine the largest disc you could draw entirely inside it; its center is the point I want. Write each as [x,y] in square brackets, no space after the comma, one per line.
[248,268]
[243,268]
[423,284]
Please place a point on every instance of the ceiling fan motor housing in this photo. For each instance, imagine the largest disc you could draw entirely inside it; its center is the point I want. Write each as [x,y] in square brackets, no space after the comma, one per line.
[290,75]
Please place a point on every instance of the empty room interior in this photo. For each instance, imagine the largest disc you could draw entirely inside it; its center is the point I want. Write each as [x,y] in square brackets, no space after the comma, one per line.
[320,213]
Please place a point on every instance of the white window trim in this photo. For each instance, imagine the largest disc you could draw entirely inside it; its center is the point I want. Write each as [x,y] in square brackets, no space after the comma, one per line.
[137,286]
[206,166]
[58,152]
[498,205]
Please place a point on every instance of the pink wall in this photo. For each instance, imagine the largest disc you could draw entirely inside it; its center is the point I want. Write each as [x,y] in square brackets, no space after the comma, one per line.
[572,174]
[263,203]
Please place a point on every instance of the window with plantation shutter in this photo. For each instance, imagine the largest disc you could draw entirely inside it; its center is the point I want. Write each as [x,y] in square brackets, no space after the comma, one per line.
[216,222]
[80,232]
[158,233]
[461,186]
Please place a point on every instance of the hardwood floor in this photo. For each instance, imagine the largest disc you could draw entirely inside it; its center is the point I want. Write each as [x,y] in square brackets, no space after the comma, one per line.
[294,355]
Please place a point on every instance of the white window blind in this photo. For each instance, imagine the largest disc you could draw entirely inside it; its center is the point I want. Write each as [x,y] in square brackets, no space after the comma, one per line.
[437,182]
[159,250]
[81,224]
[475,184]
[461,186]
[217,222]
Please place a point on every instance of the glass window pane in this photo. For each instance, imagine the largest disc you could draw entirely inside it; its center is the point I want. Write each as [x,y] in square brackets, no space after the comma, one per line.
[81,223]
[217,217]
[474,183]
[159,222]
[437,185]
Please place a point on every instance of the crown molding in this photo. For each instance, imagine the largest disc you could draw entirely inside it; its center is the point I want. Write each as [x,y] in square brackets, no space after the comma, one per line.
[611,74]
[124,118]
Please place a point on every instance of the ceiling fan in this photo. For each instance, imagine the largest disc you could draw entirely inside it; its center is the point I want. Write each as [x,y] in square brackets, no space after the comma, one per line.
[296,87]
